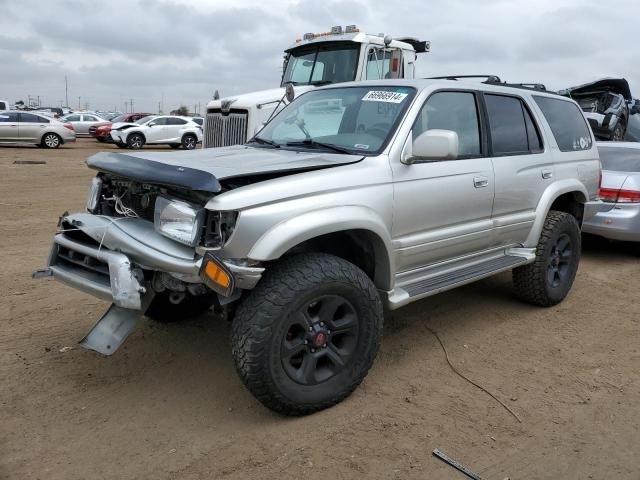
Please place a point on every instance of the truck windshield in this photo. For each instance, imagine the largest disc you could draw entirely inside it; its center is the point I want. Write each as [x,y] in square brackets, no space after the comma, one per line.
[358,120]
[322,65]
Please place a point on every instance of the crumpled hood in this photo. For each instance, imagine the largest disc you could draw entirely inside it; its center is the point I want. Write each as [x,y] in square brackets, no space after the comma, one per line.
[614,85]
[203,168]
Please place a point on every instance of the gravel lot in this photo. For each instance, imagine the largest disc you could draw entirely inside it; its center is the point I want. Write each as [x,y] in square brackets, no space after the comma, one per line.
[168,405]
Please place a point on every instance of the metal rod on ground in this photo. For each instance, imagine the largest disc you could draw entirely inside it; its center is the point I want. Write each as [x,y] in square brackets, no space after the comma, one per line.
[458,466]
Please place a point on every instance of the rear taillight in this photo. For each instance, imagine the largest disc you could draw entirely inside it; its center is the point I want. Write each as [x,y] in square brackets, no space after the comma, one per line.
[619,196]
[69,126]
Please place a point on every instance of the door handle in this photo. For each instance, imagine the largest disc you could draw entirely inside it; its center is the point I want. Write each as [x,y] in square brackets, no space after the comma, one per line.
[547,173]
[480,182]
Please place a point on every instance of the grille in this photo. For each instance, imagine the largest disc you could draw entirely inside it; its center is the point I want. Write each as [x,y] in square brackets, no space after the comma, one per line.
[224,130]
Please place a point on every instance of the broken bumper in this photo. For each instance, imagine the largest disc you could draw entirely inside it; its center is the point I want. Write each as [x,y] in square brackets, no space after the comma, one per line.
[106,257]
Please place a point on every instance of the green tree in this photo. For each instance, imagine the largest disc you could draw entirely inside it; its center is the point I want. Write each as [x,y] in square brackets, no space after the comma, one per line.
[183,111]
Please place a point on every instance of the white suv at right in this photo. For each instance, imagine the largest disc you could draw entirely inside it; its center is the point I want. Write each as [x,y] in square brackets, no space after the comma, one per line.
[157,130]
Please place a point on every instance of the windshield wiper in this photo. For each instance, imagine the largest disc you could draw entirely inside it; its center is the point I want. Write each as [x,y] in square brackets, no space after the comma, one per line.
[320,82]
[312,143]
[264,141]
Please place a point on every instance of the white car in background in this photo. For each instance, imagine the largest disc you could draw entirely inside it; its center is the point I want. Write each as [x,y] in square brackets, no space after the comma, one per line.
[158,130]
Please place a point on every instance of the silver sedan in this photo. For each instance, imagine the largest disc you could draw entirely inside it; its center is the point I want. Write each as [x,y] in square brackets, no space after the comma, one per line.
[620,192]
[83,121]
[26,127]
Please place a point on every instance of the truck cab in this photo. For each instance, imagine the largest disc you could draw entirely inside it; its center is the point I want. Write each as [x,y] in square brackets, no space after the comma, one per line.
[316,59]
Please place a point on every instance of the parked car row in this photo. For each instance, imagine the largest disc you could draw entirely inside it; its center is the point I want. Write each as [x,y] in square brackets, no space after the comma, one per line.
[171,130]
[27,127]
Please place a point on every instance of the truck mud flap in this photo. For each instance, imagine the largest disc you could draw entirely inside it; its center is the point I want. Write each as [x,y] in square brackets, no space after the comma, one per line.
[114,327]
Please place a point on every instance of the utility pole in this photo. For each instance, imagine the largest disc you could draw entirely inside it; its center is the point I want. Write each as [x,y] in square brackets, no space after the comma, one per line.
[38,100]
[159,110]
[66,91]
[131,104]
[79,107]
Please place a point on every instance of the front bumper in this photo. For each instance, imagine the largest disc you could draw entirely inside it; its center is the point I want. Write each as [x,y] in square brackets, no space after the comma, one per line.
[618,222]
[108,256]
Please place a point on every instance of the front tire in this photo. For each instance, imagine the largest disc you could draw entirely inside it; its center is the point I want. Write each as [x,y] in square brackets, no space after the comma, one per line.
[51,140]
[547,281]
[618,133]
[307,335]
[135,141]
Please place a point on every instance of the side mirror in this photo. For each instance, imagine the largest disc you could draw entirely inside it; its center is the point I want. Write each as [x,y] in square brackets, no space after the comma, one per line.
[432,145]
[151,124]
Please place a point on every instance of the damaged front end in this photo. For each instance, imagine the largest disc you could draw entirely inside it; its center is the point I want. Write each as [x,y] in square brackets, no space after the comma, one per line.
[126,261]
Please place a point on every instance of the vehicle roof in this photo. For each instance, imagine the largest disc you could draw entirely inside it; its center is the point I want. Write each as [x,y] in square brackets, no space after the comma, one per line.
[421,84]
[356,37]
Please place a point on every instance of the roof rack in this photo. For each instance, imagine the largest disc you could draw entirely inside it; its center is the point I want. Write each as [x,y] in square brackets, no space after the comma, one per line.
[495,80]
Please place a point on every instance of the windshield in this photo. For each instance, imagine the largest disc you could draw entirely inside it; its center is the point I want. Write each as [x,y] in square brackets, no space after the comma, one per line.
[144,120]
[322,65]
[356,120]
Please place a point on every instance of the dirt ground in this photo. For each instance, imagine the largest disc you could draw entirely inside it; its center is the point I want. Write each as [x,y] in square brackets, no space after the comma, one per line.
[169,405]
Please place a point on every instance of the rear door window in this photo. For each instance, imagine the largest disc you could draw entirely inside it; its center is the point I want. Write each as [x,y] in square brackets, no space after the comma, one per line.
[73,118]
[507,125]
[567,123]
[176,121]
[31,118]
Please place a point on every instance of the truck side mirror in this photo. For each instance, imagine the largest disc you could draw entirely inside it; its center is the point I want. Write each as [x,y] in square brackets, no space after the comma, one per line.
[432,145]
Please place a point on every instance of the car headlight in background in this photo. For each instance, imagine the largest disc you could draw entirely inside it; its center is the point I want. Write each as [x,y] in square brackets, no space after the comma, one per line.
[178,220]
[94,194]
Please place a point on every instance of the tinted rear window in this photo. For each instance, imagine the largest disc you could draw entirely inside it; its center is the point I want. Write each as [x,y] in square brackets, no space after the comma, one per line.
[567,123]
[620,159]
[508,130]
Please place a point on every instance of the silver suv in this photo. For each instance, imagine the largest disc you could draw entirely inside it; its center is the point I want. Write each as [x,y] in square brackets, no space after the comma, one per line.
[355,198]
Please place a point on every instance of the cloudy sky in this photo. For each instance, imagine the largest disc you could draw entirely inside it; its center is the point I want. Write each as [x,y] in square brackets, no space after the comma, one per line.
[182,51]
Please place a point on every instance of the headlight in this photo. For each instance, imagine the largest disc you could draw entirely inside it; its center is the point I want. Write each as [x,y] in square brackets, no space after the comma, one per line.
[178,220]
[94,194]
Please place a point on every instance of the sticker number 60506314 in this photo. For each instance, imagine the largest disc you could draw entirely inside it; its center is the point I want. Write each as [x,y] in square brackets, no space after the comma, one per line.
[384,96]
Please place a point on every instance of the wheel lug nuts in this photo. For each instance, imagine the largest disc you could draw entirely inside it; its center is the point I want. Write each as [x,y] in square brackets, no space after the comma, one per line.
[311,329]
[306,342]
[324,346]
[313,350]
[322,324]
[328,332]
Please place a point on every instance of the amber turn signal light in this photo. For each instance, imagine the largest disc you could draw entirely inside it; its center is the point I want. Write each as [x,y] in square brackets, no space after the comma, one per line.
[216,276]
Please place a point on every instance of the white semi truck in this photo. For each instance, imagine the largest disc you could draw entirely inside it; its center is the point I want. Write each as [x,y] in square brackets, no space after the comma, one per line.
[341,55]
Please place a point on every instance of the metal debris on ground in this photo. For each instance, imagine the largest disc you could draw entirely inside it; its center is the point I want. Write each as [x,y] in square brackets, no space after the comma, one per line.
[29,162]
[458,466]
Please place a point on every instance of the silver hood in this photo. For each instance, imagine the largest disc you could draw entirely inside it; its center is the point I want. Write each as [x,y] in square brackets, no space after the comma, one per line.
[202,169]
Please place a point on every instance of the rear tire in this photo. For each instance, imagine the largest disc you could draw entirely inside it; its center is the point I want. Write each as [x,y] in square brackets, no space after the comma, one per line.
[164,311]
[51,140]
[307,335]
[189,141]
[547,281]
[135,141]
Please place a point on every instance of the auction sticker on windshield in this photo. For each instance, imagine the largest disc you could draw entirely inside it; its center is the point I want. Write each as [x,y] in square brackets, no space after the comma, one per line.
[384,96]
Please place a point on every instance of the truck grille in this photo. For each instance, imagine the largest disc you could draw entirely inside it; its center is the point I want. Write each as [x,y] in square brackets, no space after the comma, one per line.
[222,130]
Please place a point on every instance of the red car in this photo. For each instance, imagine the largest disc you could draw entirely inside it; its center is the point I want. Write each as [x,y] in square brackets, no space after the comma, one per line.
[101,130]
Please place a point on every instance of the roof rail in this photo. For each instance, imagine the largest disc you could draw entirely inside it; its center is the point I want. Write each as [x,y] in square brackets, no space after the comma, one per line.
[495,80]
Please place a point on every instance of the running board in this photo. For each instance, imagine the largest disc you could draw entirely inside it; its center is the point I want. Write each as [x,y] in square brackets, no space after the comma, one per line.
[439,283]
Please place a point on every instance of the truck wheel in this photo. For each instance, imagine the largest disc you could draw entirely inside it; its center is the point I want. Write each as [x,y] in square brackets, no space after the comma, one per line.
[618,133]
[307,335]
[189,142]
[547,280]
[164,311]
[51,140]
[135,141]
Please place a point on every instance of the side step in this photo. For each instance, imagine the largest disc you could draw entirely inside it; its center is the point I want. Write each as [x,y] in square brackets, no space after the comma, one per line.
[430,286]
